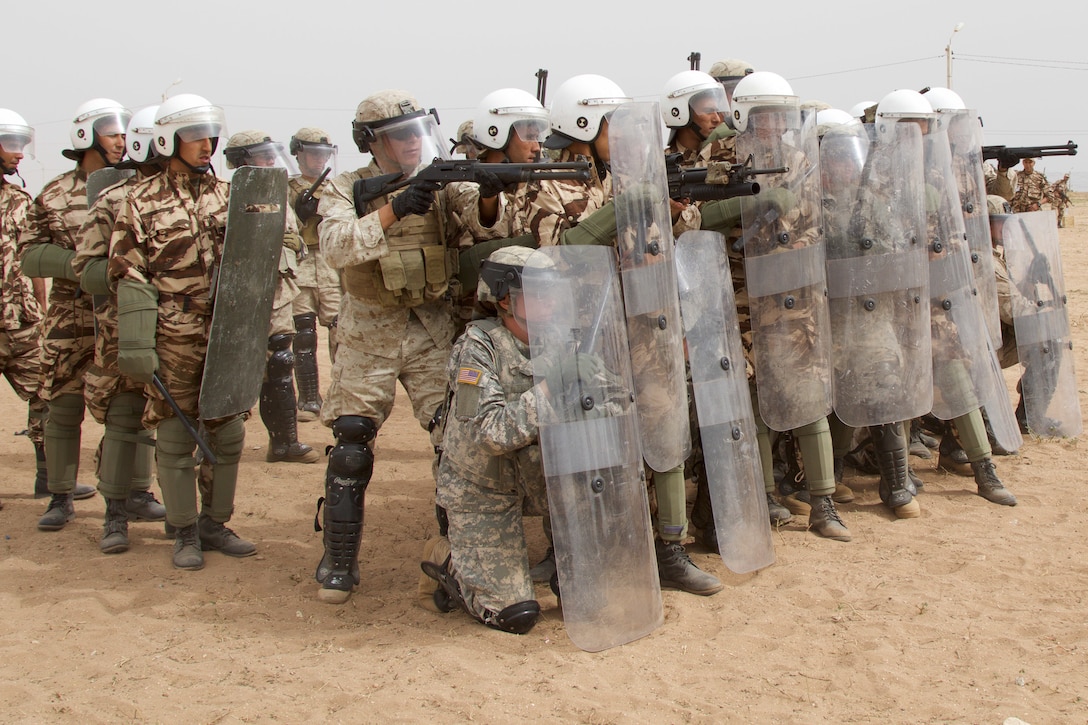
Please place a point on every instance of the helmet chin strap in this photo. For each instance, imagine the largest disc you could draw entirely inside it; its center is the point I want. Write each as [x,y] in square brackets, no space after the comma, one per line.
[203,168]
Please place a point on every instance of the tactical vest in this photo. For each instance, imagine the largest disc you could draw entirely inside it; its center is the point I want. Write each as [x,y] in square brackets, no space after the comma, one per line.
[466,457]
[417,268]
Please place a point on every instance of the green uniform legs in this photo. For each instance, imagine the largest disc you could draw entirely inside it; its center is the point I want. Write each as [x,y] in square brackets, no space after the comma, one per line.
[674,566]
[177,472]
[62,437]
[120,447]
[814,440]
[972,430]
[779,514]
[226,441]
[672,519]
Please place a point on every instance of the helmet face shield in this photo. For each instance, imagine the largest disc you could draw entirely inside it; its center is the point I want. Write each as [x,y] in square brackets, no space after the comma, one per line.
[269,154]
[17,139]
[408,143]
[314,158]
[531,130]
[112,124]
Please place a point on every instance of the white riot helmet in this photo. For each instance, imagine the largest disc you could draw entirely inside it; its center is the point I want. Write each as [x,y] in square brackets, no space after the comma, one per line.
[945,100]
[96,117]
[506,111]
[15,134]
[758,90]
[858,109]
[188,117]
[903,104]
[689,89]
[579,106]
[256,148]
[830,118]
[140,136]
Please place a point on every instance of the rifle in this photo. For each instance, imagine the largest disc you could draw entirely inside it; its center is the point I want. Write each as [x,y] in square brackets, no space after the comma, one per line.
[719,180]
[443,172]
[1009,156]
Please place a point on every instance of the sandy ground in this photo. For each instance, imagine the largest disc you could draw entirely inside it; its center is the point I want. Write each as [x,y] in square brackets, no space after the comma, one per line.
[972,613]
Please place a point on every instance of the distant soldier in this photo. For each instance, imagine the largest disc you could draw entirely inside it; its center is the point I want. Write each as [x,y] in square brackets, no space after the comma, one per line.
[1031,189]
[1058,195]
[319,284]
[20,311]
[46,248]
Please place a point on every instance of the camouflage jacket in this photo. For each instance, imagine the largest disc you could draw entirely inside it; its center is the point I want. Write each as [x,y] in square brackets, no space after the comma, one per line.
[20,306]
[491,424]
[56,217]
[169,233]
[549,208]
[1030,189]
[295,186]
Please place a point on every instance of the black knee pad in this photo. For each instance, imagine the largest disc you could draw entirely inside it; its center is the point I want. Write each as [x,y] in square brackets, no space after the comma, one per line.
[354,429]
[517,618]
[282,361]
[306,337]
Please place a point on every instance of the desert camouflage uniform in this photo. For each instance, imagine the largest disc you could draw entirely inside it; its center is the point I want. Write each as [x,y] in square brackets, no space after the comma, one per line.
[20,332]
[287,288]
[491,470]
[1031,191]
[56,217]
[1007,354]
[103,380]
[169,233]
[319,284]
[549,208]
[387,335]
[999,182]
[1058,196]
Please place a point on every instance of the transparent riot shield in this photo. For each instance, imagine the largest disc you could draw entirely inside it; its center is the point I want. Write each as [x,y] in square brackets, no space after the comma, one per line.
[727,426]
[589,442]
[1041,321]
[648,271]
[965,140]
[246,283]
[959,338]
[99,181]
[784,267]
[877,276]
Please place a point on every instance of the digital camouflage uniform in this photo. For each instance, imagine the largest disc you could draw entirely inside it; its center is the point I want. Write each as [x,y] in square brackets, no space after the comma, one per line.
[386,335]
[319,283]
[1031,191]
[67,351]
[20,334]
[491,470]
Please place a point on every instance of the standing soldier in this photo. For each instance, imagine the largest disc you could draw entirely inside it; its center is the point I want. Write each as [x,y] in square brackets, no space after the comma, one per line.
[319,284]
[395,321]
[124,466]
[20,332]
[164,253]
[46,248]
[1031,189]
[278,402]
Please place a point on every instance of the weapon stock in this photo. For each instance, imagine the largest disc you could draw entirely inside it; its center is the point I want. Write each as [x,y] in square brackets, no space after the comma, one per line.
[200,442]
[443,172]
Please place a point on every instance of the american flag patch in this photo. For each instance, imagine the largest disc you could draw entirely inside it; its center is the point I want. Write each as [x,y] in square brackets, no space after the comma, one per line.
[469,376]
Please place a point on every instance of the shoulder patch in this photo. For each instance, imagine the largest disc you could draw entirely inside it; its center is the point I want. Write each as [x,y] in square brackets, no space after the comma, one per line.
[469,376]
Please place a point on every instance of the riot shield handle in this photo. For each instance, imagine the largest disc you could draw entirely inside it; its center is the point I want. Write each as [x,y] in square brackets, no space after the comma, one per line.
[200,442]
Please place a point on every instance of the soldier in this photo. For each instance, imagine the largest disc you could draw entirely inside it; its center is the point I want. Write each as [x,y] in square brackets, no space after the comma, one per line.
[46,248]
[575,212]
[20,333]
[164,252]
[124,461]
[319,284]
[278,401]
[395,323]
[462,141]
[1031,189]
[491,473]
[693,105]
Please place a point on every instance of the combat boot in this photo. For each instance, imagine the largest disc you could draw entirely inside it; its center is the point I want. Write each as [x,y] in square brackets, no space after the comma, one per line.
[59,513]
[143,506]
[429,592]
[779,514]
[989,485]
[798,502]
[895,485]
[187,552]
[677,571]
[843,493]
[824,520]
[917,447]
[215,536]
[951,457]
[542,571]
[115,529]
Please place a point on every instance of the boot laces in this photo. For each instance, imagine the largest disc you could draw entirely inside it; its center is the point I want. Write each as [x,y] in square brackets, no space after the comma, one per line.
[829,510]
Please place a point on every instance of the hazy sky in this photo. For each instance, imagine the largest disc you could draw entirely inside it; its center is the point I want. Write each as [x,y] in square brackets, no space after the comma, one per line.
[280,65]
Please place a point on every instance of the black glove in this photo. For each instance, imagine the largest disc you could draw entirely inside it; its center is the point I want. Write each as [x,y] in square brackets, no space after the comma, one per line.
[416,199]
[305,208]
[490,184]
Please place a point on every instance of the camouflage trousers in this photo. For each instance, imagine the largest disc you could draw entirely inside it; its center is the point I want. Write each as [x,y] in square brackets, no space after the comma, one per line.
[181,342]
[20,356]
[319,289]
[67,346]
[487,540]
[283,320]
[103,381]
[365,384]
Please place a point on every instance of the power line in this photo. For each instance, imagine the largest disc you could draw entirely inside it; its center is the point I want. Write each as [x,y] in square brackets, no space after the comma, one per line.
[868,67]
[969,59]
[1027,60]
